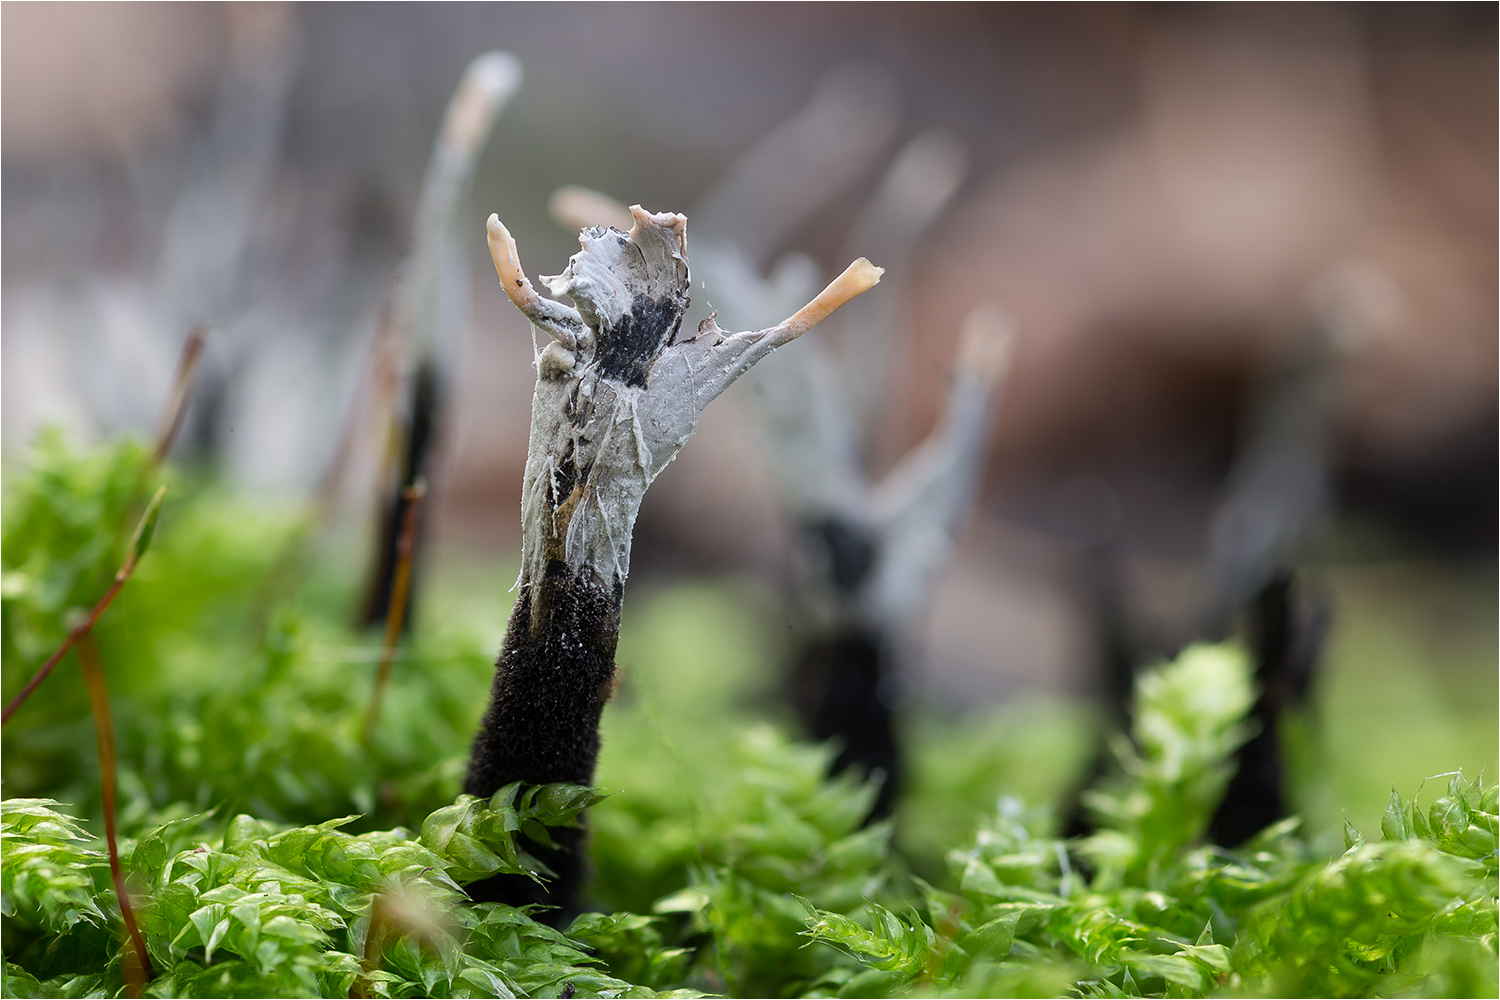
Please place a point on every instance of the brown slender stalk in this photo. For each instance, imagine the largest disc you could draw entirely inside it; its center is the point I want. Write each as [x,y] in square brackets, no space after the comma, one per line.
[396,914]
[73,636]
[381,921]
[374,940]
[139,973]
[169,421]
[172,414]
[139,542]
[396,616]
[370,410]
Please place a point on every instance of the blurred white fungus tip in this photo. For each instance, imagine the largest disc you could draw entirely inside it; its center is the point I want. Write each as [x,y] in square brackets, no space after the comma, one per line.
[496,72]
[987,341]
[487,84]
[574,206]
[1357,303]
[926,172]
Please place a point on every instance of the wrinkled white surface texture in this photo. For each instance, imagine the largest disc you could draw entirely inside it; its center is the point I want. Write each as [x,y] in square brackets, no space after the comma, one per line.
[625,435]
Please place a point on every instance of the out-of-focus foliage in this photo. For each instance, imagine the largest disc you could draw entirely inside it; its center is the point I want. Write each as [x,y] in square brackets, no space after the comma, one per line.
[961,766]
[764,827]
[1160,915]
[224,693]
[1189,718]
[725,860]
[1409,687]
[63,536]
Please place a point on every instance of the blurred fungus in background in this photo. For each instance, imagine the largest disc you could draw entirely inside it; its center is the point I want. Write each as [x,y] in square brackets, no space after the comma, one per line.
[1172,203]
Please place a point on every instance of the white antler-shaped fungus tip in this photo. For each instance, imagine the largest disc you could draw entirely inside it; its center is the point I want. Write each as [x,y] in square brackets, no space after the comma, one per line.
[578,207]
[671,222]
[486,85]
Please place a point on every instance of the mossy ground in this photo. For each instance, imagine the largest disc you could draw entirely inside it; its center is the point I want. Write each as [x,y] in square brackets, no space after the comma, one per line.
[724,860]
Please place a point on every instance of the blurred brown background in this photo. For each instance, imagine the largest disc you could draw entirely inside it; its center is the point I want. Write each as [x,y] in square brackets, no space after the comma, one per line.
[1155,192]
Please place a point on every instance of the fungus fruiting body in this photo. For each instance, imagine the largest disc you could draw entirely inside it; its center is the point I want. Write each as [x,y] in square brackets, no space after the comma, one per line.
[619,390]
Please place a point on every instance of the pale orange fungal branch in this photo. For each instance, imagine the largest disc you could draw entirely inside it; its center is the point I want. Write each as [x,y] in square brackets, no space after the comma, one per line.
[508,266]
[553,318]
[578,207]
[858,278]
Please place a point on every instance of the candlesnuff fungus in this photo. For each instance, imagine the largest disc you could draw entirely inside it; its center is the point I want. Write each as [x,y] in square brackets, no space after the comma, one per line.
[866,552]
[618,392]
[429,309]
[1278,496]
[1286,626]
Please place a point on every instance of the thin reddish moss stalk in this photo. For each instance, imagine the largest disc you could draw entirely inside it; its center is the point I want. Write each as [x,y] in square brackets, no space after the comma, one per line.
[93,679]
[396,617]
[395,915]
[137,548]
[170,422]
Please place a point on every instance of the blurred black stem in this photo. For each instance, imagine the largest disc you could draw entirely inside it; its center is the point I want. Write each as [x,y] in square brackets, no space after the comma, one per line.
[411,498]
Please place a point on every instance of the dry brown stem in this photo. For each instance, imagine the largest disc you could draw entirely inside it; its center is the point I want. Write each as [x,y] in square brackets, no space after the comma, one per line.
[172,414]
[396,617]
[137,974]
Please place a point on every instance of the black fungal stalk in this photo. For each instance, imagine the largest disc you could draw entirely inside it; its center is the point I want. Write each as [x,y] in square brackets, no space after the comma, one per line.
[1279,495]
[428,315]
[867,553]
[618,393]
[1287,624]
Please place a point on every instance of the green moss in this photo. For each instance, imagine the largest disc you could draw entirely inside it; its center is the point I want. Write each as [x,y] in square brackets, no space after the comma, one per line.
[264,840]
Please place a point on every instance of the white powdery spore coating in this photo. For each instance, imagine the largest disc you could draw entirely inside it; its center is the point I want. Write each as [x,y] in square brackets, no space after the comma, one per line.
[630,434]
[618,436]
[619,392]
[614,269]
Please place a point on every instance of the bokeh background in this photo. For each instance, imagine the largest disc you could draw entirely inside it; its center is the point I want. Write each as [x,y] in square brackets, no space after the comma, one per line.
[1159,196]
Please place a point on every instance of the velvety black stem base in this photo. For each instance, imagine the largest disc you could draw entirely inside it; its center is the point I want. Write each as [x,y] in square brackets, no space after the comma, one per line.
[1286,634]
[554,676]
[1285,627]
[421,426]
[841,680]
[843,697]
[1117,658]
